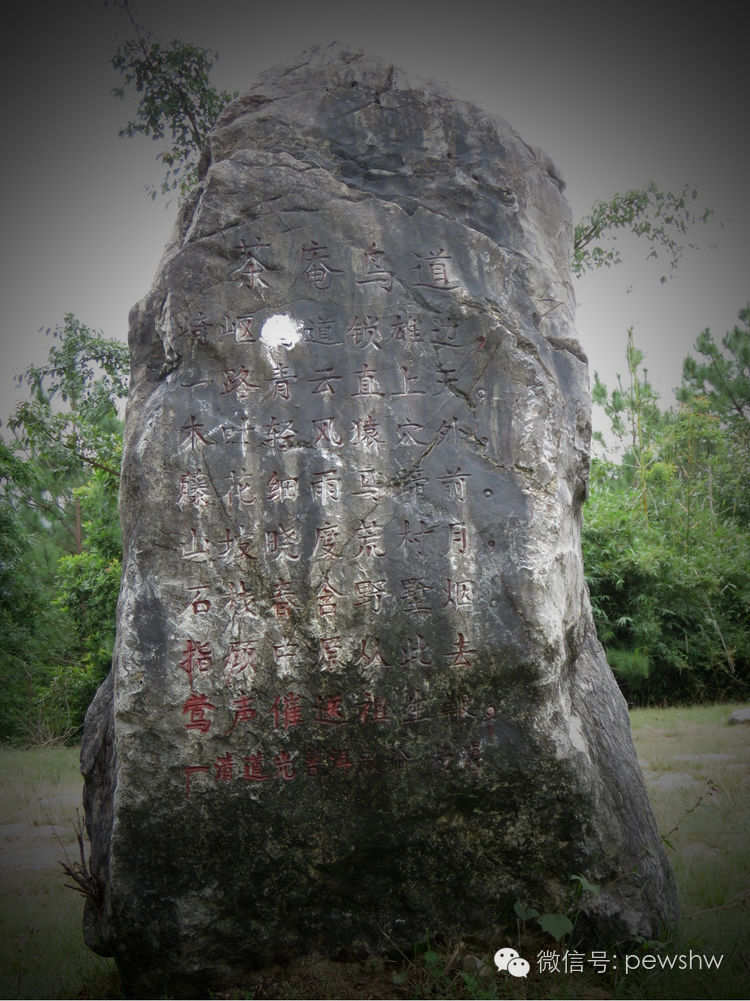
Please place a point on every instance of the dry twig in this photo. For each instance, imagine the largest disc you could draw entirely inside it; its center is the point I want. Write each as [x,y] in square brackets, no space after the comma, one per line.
[85,883]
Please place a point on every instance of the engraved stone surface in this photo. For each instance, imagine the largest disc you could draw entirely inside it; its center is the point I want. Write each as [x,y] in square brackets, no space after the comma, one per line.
[358,695]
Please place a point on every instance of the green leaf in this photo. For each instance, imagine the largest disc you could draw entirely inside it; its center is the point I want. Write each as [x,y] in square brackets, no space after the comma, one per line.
[586,885]
[556,925]
[525,913]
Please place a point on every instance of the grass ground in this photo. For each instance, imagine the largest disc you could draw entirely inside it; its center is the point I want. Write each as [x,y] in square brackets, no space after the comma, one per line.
[42,954]
[689,757]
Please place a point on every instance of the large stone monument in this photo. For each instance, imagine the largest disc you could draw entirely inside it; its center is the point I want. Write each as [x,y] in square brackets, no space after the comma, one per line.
[357,694]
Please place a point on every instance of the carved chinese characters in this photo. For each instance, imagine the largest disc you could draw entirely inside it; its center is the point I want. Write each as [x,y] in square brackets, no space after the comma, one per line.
[321,498]
[357,695]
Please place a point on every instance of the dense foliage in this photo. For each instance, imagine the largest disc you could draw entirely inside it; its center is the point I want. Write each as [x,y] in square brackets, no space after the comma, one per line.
[667,528]
[60,544]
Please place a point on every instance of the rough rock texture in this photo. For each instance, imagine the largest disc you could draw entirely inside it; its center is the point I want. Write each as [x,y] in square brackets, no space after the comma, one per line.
[358,695]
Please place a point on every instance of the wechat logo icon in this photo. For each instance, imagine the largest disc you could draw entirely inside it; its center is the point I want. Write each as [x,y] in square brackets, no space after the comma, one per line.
[508,961]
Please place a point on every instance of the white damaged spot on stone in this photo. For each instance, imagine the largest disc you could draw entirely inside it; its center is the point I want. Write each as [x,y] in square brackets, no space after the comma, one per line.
[281,331]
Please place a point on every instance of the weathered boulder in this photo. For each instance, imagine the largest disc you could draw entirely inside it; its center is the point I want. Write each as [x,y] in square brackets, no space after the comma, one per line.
[358,695]
[739,716]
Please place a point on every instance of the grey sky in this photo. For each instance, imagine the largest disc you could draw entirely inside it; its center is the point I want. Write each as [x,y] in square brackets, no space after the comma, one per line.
[615,99]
